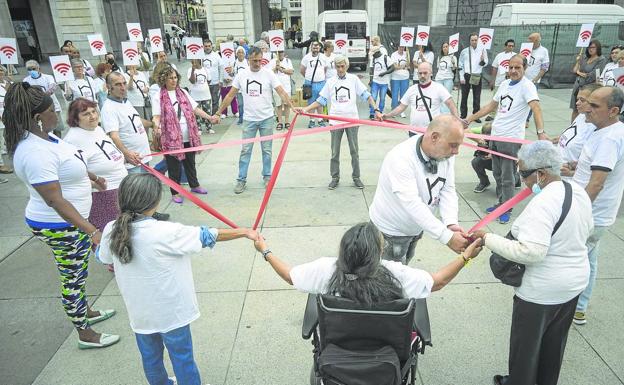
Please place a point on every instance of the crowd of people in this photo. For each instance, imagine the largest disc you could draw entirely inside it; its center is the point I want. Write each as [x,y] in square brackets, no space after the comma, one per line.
[88,187]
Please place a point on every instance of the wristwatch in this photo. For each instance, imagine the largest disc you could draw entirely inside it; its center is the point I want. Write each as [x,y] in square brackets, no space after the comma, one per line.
[377,110]
[540,131]
[266,253]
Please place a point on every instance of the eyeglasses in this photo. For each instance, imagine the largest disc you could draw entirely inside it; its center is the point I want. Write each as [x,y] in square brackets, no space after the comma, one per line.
[527,173]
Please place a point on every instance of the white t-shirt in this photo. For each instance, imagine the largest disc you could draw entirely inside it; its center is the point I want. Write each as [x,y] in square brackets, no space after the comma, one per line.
[606,77]
[212,62]
[136,95]
[407,195]
[225,77]
[157,284]
[200,91]
[282,77]
[402,60]
[573,138]
[513,108]
[342,96]
[89,70]
[240,66]
[445,67]
[564,272]
[435,95]
[82,88]
[604,150]
[538,58]
[466,66]
[331,66]
[100,153]
[47,83]
[429,58]
[176,108]
[37,162]
[124,118]
[313,277]
[501,63]
[257,89]
[309,62]
[381,64]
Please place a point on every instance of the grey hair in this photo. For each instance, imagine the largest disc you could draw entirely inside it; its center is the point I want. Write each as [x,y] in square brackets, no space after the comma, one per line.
[137,193]
[342,59]
[616,99]
[74,62]
[525,62]
[264,35]
[261,44]
[32,63]
[541,154]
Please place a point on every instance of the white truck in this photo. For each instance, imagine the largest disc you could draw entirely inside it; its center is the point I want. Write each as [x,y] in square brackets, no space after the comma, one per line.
[530,13]
[356,25]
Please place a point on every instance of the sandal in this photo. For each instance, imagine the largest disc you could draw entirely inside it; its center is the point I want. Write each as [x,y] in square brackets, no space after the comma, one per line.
[279,126]
[287,126]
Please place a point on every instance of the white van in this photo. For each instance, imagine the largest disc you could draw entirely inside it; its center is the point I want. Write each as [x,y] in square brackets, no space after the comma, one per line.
[355,24]
[531,13]
[173,29]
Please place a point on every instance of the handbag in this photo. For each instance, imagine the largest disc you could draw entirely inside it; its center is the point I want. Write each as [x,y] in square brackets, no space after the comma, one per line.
[475,79]
[306,89]
[511,273]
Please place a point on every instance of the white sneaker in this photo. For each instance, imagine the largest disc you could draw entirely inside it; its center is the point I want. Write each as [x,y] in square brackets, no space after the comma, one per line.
[211,131]
[236,114]
[175,381]
[403,115]
[223,116]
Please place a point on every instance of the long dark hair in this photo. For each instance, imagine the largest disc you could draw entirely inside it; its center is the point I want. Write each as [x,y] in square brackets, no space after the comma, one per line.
[19,103]
[359,274]
[137,194]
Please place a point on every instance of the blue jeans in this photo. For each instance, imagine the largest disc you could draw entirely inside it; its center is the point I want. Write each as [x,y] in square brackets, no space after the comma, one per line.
[265,127]
[398,87]
[162,168]
[316,90]
[593,243]
[241,107]
[378,91]
[180,347]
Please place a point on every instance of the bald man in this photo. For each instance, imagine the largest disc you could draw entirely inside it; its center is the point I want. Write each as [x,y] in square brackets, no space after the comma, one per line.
[417,178]
[538,63]
[425,99]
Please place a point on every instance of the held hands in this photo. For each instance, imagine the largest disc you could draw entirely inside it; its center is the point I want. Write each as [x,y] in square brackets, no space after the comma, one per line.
[260,244]
[567,169]
[473,249]
[379,116]
[133,158]
[215,119]
[253,235]
[543,136]
[458,242]
[96,238]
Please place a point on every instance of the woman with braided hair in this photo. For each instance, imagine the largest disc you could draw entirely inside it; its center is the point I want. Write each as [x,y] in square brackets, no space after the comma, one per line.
[60,199]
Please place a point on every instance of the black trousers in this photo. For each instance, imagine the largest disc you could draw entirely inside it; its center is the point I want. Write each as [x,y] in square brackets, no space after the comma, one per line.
[538,339]
[174,170]
[476,96]
[479,165]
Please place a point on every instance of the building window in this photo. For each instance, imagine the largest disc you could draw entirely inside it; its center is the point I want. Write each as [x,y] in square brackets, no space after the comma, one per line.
[294,4]
[331,5]
[392,10]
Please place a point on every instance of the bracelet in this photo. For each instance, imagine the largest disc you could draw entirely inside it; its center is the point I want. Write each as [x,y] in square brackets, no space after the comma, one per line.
[265,254]
[465,259]
[92,234]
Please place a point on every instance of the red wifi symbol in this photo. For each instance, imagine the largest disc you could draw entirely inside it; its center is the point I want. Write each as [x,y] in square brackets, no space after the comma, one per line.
[505,63]
[7,50]
[407,36]
[620,80]
[264,61]
[453,43]
[194,47]
[156,39]
[423,35]
[131,53]
[525,52]
[585,35]
[485,38]
[277,40]
[340,43]
[135,32]
[62,68]
[97,44]
[227,52]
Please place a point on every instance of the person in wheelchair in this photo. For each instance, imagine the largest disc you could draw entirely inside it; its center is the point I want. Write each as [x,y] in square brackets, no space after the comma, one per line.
[360,277]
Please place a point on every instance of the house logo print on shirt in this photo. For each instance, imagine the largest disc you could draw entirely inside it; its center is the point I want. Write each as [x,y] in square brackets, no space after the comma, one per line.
[89,94]
[204,61]
[505,104]
[443,65]
[137,125]
[531,60]
[254,88]
[109,150]
[431,187]
[78,155]
[571,131]
[343,94]
[422,107]
[200,79]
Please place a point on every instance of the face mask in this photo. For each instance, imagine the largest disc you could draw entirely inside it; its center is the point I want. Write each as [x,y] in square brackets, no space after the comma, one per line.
[111,61]
[536,188]
[33,73]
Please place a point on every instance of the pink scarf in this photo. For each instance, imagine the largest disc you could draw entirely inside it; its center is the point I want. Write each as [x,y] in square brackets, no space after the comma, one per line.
[171,133]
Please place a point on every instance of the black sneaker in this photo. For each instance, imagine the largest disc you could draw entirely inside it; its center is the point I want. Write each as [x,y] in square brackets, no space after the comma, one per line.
[499,380]
[481,187]
[489,118]
[333,184]
[358,183]
[518,182]
[161,216]
[478,121]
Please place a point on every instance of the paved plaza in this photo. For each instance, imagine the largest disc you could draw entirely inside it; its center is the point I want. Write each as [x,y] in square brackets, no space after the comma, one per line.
[249,332]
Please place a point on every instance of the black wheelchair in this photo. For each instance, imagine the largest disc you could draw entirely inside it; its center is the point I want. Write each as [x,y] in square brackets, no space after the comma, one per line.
[354,345]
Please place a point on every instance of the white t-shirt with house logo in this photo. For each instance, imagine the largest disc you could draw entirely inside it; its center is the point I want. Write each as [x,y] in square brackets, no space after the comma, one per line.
[513,107]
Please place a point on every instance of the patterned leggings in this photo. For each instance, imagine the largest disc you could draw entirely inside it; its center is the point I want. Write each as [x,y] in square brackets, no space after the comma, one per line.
[71,248]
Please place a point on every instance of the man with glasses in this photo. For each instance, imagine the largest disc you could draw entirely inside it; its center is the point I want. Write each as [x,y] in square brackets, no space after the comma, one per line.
[514,99]
[499,68]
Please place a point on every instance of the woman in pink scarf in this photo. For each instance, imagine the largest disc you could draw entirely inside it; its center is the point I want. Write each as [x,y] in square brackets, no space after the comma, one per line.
[173,112]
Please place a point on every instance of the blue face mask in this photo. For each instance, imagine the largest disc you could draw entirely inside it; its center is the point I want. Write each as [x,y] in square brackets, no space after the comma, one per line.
[33,73]
[536,188]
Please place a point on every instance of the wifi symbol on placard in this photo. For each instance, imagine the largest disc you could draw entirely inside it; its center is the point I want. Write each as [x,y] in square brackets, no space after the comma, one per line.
[131,53]
[277,40]
[194,48]
[407,37]
[620,80]
[453,43]
[227,52]
[7,50]
[156,40]
[525,52]
[423,35]
[341,43]
[505,63]
[585,35]
[135,32]
[264,61]
[62,68]
[485,38]
[97,44]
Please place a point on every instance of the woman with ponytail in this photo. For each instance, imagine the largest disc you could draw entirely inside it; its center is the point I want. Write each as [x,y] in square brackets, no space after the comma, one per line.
[60,199]
[360,274]
[153,271]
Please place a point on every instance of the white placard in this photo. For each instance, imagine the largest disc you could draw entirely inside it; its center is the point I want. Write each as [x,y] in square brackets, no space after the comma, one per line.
[585,35]
[61,68]
[8,51]
[195,48]
[453,43]
[134,32]
[407,37]
[618,76]
[526,49]
[340,43]
[266,58]
[156,40]
[422,35]
[131,56]
[96,42]
[227,51]
[276,40]
[486,36]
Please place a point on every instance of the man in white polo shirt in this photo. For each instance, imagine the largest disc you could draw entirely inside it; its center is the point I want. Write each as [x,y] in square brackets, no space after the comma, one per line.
[600,170]
[342,92]
[425,99]
[514,99]
[256,85]
[314,68]
[417,178]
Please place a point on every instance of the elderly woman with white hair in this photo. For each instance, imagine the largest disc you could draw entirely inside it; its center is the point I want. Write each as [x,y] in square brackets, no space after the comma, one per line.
[83,86]
[549,238]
